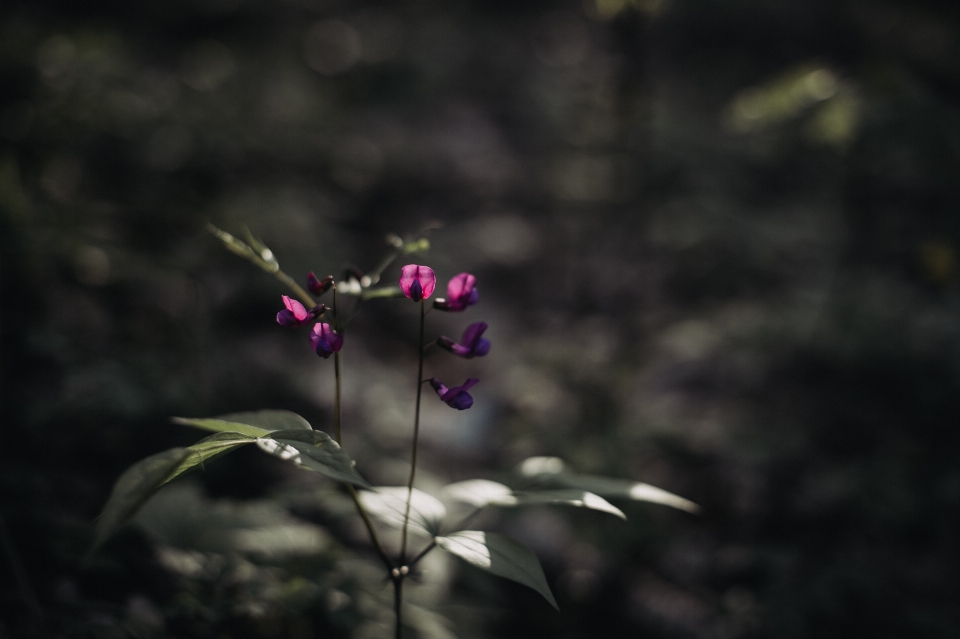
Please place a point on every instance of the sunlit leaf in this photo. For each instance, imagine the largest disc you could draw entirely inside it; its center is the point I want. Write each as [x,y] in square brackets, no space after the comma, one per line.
[500,555]
[483,492]
[315,450]
[627,489]
[252,423]
[477,492]
[563,497]
[133,487]
[533,466]
[552,471]
[389,504]
[208,449]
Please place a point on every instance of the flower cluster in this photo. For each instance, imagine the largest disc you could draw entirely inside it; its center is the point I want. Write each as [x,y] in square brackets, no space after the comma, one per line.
[418,283]
[323,338]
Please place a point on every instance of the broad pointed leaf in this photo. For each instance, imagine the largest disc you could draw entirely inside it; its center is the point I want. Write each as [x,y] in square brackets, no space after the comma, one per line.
[478,492]
[253,423]
[563,497]
[208,449]
[389,505]
[315,450]
[627,489]
[483,492]
[133,488]
[500,555]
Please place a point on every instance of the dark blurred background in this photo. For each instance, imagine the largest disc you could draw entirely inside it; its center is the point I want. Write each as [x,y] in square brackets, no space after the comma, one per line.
[715,242]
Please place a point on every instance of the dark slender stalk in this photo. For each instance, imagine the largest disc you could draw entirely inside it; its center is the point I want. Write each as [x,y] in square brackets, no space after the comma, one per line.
[337,369]
[370,529]
[416,437]
[397,603]
[338,436]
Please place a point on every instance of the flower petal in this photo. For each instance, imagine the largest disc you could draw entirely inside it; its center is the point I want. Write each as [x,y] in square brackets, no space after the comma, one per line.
[408,274]
[462,401]
[461,286]
[295,307]
[472,334]
[428,280]
[482,347]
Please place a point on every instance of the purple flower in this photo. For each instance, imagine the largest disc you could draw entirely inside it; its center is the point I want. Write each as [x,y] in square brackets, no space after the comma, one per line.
[319,287]
[473,344]
[417,282]
[296,315]
[456,397]
[461,293]
[325,341]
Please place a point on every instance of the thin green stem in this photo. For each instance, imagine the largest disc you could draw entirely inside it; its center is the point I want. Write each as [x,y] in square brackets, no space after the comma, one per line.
[416,438]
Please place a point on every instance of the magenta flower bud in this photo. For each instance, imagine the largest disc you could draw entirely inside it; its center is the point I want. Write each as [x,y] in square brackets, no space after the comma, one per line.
[325,340]
[417,282]
[473,344]
[456,397]
[461,293]
[319,287]
[296,315]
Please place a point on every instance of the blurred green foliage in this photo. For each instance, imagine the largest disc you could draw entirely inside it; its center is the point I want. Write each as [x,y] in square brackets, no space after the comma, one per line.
[716,243]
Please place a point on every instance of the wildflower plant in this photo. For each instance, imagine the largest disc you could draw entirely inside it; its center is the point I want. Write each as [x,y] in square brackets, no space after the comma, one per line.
[542,480]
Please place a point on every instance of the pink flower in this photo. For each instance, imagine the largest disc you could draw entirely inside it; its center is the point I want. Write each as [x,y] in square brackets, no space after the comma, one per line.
[461,293]
[319,287]
[417,282]
[456,397]
[325,340]
[296,315]
[473,344]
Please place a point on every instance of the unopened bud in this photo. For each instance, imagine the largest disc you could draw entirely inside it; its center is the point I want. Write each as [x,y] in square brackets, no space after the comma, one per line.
[319,287]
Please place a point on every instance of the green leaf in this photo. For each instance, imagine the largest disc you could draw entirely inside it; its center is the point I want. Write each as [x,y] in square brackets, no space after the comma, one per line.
[482,492]
[564,497]
[552,470]
[627,489]
[208,449]
[315,450]
[478,492]
[389,505]
[253,423]
[500,555]
[133,488]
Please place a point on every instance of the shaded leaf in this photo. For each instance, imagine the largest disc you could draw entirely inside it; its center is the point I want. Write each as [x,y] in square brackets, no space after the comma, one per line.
[500,555]
[389,503]
[207,449]
[315,450]
[252,423]
[133,488]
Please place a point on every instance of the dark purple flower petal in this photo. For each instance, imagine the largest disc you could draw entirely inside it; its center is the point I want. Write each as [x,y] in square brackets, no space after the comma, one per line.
[438,386]
[319,287]
[472,334]
[482,347]
[325,341]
